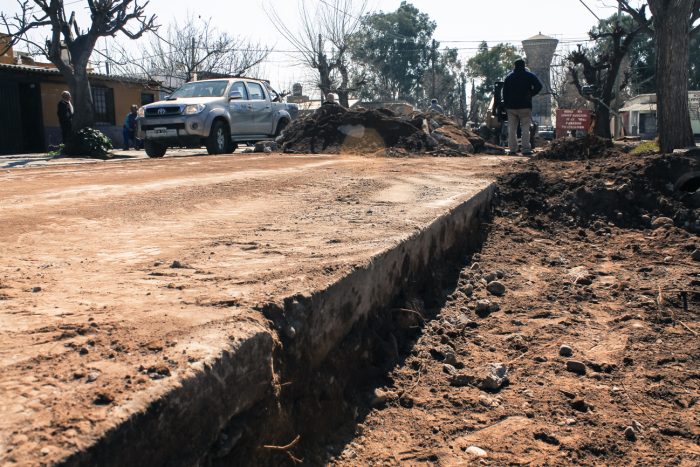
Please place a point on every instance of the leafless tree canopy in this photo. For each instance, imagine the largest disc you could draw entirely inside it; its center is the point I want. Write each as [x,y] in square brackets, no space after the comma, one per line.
[195,47]
[324,41]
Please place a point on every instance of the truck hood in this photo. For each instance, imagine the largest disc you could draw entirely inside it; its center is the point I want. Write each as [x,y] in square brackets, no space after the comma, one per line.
[185,101]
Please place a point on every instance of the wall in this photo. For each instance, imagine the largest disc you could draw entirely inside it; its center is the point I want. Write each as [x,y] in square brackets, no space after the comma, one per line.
[125,94]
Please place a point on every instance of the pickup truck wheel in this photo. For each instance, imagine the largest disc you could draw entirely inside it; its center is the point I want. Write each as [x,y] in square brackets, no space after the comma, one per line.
[281,125]
[231,147]
[154,149]
[219,139]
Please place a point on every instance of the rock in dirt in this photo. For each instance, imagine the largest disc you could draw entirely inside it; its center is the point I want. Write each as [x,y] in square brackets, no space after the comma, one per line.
[576,367]
[380,397]
[483,306]
[476,451]
[630,434]
[695,255]
[496,288]
[580,404]
[662,222]
[566,351]
[496,376]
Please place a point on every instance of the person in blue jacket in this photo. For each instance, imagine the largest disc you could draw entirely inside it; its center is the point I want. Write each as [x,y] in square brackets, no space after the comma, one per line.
[518,89]
[129,132]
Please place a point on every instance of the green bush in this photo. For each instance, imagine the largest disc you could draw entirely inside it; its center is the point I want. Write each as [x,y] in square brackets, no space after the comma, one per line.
[89,142]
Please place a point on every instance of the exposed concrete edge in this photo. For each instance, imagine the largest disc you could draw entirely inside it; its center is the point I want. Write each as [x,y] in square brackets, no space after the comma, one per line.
[311,327]
[177,428]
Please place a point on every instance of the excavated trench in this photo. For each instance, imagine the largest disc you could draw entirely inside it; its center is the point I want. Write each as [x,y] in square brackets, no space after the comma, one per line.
[315,405]
[312,409]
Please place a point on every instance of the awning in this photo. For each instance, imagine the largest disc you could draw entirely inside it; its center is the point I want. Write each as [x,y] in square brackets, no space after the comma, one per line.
[644,108]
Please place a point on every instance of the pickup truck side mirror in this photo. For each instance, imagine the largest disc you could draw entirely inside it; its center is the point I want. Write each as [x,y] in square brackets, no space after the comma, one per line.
[235,95]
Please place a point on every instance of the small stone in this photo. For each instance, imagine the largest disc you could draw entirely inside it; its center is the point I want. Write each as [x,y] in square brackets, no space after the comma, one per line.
[103,398]
[496,288]
[483,306]
[476,451]
[467,290]
[630,434]
[566,351]
[490,277]
[638,427]
[83,351]
[450,358]
[449,369]
[661,222]
[92,376]
[460,380]
[36,289]
[695,255]
[475,267]
[576,367]
[580,405]
[496,377]
[500,274]
[380,397]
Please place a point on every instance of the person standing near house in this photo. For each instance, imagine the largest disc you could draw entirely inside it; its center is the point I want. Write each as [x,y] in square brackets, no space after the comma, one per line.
[65,115]
[518,89]
[129,131]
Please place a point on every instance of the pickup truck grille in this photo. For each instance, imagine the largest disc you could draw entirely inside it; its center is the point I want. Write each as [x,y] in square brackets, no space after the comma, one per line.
[166,111]
[169,126]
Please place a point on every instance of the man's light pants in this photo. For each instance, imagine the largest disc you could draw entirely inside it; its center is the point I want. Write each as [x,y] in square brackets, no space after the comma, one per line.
[523,117]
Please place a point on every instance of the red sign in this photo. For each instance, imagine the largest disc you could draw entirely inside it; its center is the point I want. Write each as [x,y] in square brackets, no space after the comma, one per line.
[568,119]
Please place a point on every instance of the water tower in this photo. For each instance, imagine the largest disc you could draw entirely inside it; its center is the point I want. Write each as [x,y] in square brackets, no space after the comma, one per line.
[539,50]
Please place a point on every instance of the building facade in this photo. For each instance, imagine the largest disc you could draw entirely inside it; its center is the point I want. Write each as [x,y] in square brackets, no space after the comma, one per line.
[29,95]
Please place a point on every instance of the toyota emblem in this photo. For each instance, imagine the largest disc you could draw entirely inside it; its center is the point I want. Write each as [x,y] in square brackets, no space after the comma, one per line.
[161,111]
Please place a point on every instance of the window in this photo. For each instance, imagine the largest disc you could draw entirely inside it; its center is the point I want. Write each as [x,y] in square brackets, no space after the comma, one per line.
[256,92]
[240,87]
[147,98]
[103,102]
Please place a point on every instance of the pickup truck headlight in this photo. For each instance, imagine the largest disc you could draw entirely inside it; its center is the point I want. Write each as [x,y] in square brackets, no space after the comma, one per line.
[141,112]
[193,109]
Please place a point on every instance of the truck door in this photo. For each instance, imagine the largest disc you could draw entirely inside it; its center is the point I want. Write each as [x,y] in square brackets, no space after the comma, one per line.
[241,111]
[262,109]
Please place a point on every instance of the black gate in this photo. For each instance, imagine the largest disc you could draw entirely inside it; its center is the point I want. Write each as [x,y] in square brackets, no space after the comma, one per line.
[21,122]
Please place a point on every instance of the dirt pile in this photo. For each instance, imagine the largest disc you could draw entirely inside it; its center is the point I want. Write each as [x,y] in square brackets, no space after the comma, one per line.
[629,191]
[333,129]
[586,147]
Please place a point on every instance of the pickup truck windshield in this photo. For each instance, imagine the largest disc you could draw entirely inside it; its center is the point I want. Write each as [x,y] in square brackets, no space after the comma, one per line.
[201,89]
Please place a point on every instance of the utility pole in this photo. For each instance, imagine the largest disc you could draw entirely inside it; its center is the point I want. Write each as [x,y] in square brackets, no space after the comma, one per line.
[192,68]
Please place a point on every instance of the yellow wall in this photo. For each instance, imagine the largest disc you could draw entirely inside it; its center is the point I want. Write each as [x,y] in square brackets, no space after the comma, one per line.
[125,94]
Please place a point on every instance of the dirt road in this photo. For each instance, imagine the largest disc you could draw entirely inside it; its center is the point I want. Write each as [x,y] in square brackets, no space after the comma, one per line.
[115,278]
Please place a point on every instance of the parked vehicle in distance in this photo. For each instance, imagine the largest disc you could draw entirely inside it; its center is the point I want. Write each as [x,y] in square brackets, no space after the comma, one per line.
[546,133]
[216,113]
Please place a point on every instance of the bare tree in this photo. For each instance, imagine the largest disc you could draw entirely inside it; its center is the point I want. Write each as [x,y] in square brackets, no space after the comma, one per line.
[329,24]
[600,69]
[672,24]
[188,49]
[68,46]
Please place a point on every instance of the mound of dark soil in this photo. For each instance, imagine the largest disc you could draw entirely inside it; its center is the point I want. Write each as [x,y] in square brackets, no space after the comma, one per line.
[333,129]
[586,147]
[629,191]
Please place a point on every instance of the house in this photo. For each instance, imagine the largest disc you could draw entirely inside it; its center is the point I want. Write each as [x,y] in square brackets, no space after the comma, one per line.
[30,91]
[639,115]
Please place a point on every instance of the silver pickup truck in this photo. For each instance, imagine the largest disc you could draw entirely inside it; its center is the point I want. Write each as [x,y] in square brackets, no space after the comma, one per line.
[216,113]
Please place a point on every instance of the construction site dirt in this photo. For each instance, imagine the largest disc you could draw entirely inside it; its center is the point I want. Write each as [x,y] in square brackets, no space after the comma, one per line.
[568,334]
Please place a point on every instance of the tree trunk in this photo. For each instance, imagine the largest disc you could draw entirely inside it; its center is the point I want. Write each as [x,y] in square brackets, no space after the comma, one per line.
[671,27]
[82,101]
[602,121]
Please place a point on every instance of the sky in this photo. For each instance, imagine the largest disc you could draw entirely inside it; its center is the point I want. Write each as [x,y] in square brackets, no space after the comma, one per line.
[461,24]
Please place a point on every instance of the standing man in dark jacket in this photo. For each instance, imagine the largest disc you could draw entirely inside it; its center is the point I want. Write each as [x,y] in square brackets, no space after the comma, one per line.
[518,89]
[65,115]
